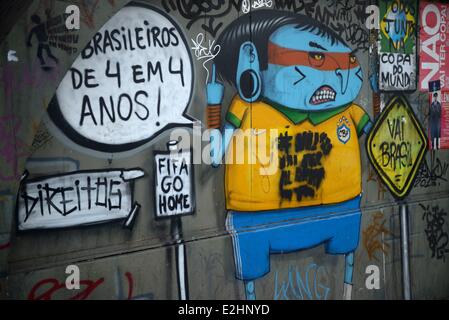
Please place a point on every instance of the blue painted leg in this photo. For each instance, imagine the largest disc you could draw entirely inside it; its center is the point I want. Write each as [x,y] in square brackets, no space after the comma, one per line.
[349,270]
[250,290]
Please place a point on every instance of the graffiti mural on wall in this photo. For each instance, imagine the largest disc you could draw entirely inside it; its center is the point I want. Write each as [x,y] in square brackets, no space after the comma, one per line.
[304,79]
[299,74]
[397,49]
[124,79]
[436,230]
[78,198]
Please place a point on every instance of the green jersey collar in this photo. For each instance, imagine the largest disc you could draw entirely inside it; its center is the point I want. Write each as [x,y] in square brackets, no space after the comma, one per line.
[298,116]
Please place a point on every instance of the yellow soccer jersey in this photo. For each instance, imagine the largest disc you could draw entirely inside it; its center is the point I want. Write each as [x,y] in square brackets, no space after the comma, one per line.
[311,158]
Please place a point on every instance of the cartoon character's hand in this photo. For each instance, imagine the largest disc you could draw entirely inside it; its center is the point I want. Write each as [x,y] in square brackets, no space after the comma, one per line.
[215,90]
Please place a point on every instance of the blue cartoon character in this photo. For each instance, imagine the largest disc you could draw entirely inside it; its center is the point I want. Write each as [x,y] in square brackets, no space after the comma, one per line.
[297,77]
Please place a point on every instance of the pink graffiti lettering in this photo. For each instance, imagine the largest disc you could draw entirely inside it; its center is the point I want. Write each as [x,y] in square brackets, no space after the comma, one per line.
[55,286]
[47,288]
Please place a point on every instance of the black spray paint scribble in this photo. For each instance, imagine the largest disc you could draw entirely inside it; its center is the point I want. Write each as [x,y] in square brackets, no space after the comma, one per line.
[437,236]
[432,175]
[205,11]
[345,17]
[307,172]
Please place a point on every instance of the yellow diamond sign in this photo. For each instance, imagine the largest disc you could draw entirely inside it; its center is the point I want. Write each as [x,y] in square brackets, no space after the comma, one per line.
[396,146]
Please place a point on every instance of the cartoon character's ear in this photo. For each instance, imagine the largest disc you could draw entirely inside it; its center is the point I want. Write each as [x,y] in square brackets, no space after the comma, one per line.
[249,82]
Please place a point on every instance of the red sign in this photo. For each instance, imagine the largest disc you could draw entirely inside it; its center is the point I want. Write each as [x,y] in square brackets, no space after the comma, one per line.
[434,42]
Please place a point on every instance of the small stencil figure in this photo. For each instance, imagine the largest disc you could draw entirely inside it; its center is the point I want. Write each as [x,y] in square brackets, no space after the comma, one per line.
[40,30]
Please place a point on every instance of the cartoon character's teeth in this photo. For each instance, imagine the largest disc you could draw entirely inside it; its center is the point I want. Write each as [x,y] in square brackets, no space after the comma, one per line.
[323,95]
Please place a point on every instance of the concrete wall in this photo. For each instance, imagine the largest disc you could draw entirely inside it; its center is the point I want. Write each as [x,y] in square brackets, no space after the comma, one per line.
[140,263]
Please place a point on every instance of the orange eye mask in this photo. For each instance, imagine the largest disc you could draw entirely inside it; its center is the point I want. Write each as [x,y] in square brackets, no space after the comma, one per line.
[326,61]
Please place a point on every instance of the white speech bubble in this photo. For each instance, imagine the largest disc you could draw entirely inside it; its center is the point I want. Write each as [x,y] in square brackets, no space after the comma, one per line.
[155,87]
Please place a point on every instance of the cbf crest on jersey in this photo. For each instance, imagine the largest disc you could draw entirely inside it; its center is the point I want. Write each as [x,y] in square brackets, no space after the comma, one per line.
[343,131]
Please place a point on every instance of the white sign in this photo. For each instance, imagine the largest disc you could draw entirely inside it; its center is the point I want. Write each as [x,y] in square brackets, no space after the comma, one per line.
[174,193]
[397,71]
[77,198]
[133,80]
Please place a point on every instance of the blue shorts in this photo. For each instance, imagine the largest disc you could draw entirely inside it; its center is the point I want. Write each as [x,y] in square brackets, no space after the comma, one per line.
[255,235]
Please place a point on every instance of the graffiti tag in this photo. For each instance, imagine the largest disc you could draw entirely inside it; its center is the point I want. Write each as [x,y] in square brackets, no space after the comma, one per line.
[372,240]
[431,175]
[205,52]
[312,285]
[436,233]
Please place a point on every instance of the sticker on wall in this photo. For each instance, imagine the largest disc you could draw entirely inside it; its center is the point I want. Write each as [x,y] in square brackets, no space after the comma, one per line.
[396,146]
[438,116]
[132,81]
[77,199]
[174,186]
[397,49]
[434,61]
